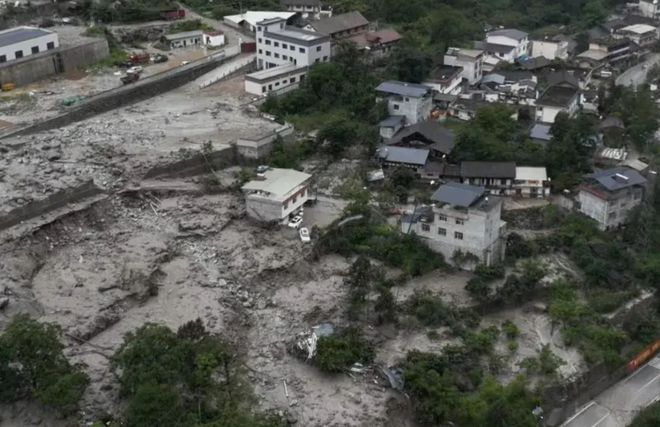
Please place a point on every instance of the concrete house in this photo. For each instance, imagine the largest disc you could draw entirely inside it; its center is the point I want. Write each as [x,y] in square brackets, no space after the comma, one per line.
[340,27]
[507,44]
[498,177]
[390,126]
[463,219]
[649,8]
[531,182]
[184,39]
[308,9]
[284,54]
[608,50]
[413,101]
[550,48]
[642,34]
[19,42]
[445,79]
[214,38]
[608,196]
[260,144]
[277,194]
[555,100]
[470,60]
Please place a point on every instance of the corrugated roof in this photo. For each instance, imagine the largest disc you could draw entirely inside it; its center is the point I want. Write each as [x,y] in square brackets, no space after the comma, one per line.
[403,89]
[509,32]
[277,182]
[21,34]
[488,170]
[617,178]
[339,23]
[410,156]
[456,194]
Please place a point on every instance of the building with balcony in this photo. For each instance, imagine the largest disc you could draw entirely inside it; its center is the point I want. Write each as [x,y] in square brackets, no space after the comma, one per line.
[276,194]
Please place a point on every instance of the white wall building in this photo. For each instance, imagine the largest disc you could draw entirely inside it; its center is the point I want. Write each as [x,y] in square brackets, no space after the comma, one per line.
[471,60]
[555,100]
[414,101]
[284,55]
[466,219]
[19,42]
[507,44]
[214,38]
[549,49]
[308,9]
[249,19]
[608,196]
[184,39]
[277,194]
[531,182]
[641,34]
[649,8]
[445,79]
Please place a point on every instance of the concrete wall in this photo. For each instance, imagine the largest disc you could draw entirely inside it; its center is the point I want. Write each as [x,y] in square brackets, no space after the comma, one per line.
[262,147]
[54,201]
[46,64]
[414,109]
[196,165]
[143,89]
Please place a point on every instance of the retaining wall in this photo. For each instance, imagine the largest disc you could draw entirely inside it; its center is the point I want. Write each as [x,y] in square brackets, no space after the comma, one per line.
[195,165]
[46,64]
[54,201]
[128,94]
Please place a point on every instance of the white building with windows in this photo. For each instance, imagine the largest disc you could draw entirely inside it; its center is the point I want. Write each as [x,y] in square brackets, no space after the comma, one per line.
[19,42]
[470,60]
[308,9]
[608,196]
[507,44]
[650,8]
[464,219]
[413,101]
[284,54]
[276,194]
[550,49]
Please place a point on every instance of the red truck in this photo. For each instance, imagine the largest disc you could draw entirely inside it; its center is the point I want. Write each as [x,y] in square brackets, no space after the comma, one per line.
[174,14]
[139,58]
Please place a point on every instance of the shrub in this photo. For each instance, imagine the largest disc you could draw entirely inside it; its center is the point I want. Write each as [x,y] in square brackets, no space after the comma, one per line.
[336,353]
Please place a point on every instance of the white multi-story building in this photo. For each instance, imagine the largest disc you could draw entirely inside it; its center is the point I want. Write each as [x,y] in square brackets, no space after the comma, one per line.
[413,101]
[531,182]
[445,79]
[464,219]
[650,8]
[507,44]
[276,194]
[555,100]
[642,34]
[19,42]
[284,55]
[608,196]
[308,9]
[470,60]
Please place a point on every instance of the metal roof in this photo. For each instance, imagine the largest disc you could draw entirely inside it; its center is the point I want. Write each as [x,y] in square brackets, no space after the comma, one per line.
[488,169]
[339,23]
[437,136]
[410,156]
[528,173]
[617,178]
[21,34]
[404,89]
[558,96]
[184,35]
[541,131]
[509,32]
[392,121]
[456,194]
[277,183]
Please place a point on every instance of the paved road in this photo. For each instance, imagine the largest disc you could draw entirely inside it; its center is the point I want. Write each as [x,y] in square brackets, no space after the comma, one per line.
[617,406]
[636,75]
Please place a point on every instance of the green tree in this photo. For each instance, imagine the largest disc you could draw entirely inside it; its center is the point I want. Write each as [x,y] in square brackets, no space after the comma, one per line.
[338,352]
[32,365]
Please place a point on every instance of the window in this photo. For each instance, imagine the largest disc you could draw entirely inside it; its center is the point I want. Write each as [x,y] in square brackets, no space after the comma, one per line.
[281,25]
[284,45]
[292,47]
[407,99]
[267,42]
[318,48]
[284,57]
[3,58]
[258,28]
[276,55]
[503,181]
[442,231]
[261,51]
[459,221]
[35,49]
[316,61]
[325,59]
[263,89]
[395,106]
[612,215]
[18,54]
[293,80]
[276,44]
[295,198]
[270,87]
[458,235]
[276,85]
[260,40]
[302,50]
[426,227]
[442,217]
[268,53]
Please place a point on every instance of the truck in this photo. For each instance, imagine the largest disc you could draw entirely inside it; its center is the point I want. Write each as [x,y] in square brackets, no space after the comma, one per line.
[139,58]
[173,14]
[129,78]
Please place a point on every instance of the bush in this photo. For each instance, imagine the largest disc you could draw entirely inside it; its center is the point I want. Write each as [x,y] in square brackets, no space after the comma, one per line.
[338,352]
[33,366]
[649,417]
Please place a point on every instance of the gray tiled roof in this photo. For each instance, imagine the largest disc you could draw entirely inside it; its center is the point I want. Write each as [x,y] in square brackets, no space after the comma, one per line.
[617,178]
[403,89]
[410,156]
[20,34]
[557,96]
[339,23]
[439,137]
[392,121]
[456,194]
[488,170]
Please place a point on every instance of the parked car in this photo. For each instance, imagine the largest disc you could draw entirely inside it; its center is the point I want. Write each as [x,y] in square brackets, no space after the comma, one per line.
[159,58]
[135,70]
[295,222]
[304,234]
[261,170]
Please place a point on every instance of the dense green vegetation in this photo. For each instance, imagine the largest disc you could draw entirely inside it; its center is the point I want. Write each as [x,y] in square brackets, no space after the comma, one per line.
[188,378]
[338,352]
[649,417]
[32,366]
